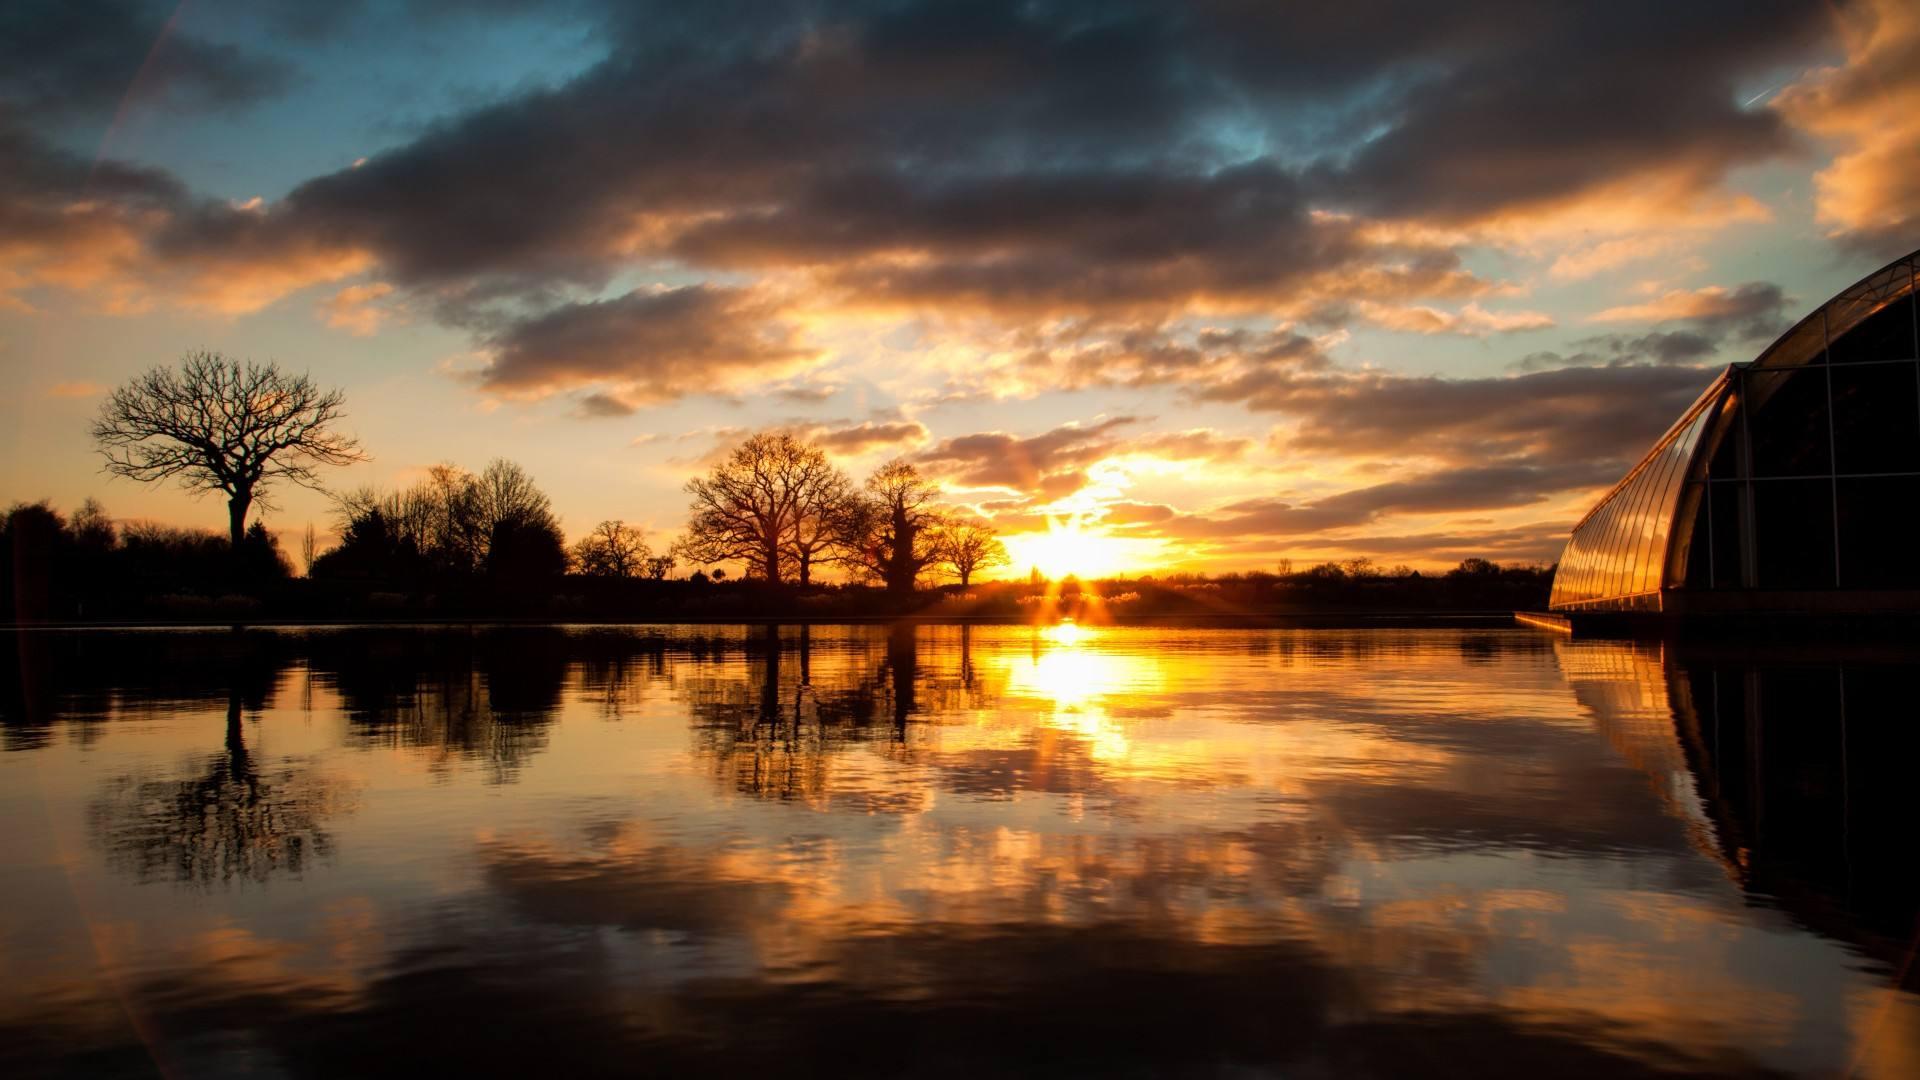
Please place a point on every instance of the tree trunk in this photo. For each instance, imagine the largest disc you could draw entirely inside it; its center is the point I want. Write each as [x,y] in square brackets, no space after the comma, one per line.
[237,506]
[964,575]
[806,569]
[900,568]
[772,557]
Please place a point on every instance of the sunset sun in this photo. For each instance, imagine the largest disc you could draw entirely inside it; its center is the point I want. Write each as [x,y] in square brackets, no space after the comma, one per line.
[1070,547]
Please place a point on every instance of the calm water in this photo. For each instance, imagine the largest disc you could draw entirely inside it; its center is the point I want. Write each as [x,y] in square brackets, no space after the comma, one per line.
[858,850]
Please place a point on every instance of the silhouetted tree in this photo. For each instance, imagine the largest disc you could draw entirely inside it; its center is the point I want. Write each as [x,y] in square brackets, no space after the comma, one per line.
[526,551]
[222,425]
[822,503]
[370,547]
[447,521]
[771,504]
[894,532]
[613,549]
[309,550]
[36,535]
[965,547]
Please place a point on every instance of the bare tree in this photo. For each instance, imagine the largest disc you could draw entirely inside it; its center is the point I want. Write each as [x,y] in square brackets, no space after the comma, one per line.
[612,549]
[822,498]
[966,547]
[894,531]
[224,425]
[505,494]
[767,505]
[309,550]
[659,568]
[451,518]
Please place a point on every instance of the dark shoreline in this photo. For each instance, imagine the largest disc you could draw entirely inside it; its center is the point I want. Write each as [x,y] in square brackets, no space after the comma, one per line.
[1318,620]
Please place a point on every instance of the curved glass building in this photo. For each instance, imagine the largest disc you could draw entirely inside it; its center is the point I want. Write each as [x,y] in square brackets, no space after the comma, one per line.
[1791,484]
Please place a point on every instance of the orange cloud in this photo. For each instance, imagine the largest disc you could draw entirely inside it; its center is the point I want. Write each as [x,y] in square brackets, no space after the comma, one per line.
[1712,302]
[1470,321]
[354,308]
[1870,106]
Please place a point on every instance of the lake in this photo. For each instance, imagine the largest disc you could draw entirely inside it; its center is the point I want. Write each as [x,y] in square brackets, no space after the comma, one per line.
[952,851]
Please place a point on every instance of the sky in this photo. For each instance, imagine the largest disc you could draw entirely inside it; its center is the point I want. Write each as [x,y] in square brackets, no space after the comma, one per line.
[1195,286]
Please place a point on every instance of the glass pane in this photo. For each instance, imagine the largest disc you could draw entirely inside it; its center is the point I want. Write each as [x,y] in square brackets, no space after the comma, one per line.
[1620,558]
[1806,343]
[1726,456]
[1885,335]
[1876,418]
[1653,551]
[1878,519]
[1597,556]
[1788,424]
[1793,525]
[1728,521]
[1699,558]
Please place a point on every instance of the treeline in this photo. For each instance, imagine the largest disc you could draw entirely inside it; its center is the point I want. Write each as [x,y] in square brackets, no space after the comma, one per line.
[781,509]
[487,546]
[86,567]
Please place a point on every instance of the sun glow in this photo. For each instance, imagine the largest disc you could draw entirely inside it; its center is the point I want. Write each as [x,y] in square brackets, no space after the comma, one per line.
[1066,548]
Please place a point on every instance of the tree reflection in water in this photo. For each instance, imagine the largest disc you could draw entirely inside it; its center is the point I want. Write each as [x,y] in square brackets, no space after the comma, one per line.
[233,818]
[486,696]
[775,731]
[867,850]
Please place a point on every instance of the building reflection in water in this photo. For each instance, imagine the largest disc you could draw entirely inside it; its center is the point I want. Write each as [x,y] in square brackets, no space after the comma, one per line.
[1806,760]
[900,849]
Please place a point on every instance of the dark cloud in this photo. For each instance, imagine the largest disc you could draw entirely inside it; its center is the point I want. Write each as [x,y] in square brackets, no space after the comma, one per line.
[64,60]
[646,345]
[1083,354]
[864,437]
[1457,490]
[1714,318]
[1051,464]
[1058,157]
[1549,418]
[1121,514]
[1555,102]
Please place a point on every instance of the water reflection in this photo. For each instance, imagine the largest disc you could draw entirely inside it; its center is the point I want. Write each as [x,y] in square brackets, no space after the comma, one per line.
[479,696]
[230,817]
[900,850]
[1805,764]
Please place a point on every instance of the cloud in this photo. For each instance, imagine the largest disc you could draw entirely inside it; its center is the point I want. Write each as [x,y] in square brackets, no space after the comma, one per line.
[806,394]
[1753,310]
[1025,160]
[1869,194]
[1582,263]
[646,345]
[62,60]
[355,308]
[1194,444]
[77,389]
[866,437]
[131,238]
[1481,487]
[1125,513]
[1470,321]
[1530,113]
[839,438]
[1052,464]
[1547,417]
